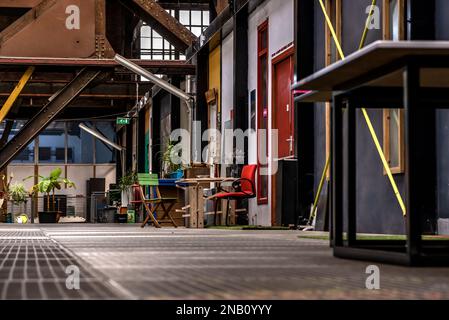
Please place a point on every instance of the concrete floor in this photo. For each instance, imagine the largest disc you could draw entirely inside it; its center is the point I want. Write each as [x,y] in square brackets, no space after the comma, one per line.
[127,262]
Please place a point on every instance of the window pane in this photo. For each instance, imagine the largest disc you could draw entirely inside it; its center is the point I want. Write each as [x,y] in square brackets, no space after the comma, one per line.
[157,43]
[196,31]
[394,138]
[80,144]
[145,31]
[206,18]
[52,144]
[103,152]
[27,154]
[145,43]
[196,18]
[184,17]
[394,19]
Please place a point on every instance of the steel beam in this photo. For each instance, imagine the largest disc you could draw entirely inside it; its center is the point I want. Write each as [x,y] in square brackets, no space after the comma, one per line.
[61,65]
[15,93]
[109,90]
[25,20]
[77,113]
[47,114]
[161,21]
[9,124]
[85,62]
[241,75]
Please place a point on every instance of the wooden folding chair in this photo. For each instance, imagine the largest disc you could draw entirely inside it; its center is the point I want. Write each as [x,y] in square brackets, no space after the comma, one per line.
[154,200]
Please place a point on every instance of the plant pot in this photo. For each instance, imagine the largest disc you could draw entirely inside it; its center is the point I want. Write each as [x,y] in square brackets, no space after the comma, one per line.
[9,218]
[121,218]
[178,174]
[49,216]
[126,197]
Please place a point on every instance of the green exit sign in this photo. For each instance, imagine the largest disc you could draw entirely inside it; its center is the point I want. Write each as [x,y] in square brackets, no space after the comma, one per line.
[123,121]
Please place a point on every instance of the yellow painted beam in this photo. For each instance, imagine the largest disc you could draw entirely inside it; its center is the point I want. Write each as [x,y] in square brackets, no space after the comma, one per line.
[15,93]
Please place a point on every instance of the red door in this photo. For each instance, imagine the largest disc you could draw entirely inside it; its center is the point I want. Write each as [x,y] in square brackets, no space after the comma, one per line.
[282,106]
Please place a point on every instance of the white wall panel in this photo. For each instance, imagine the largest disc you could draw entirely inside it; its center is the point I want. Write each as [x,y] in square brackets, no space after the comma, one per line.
[280,34]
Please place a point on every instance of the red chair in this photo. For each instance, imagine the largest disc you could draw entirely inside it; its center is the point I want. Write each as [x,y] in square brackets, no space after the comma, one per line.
[244,188]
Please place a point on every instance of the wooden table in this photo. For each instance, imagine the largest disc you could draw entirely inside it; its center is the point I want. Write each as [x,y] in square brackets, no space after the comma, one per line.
[196,199]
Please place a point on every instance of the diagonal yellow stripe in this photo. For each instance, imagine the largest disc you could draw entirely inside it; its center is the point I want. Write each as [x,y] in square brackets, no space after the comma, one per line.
[365,113]
[331,28]
[15,93]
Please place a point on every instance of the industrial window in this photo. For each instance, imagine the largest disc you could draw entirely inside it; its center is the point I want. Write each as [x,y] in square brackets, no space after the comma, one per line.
[104,153]
[262,112]
[393,129]
[27,154]
[63,142]
[79,144]
[50,139]
[155,47]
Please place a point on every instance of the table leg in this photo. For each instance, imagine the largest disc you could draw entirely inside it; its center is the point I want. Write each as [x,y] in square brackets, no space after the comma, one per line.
[232,206]
[193,196]
[200,207]
[222,216]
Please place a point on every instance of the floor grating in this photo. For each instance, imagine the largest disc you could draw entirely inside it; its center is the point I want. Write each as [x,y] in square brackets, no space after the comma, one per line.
[33,266]
[125,261]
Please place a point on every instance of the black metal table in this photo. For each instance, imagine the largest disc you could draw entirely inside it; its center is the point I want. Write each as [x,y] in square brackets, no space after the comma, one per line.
[413,76]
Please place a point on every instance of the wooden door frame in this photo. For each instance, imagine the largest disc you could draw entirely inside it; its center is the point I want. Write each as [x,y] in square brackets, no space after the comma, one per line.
[287,54]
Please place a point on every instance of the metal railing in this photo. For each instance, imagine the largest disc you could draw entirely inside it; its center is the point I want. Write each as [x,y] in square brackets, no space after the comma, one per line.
[68,205]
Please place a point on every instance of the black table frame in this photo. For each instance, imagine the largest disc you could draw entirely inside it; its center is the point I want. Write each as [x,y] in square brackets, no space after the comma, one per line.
[412,98]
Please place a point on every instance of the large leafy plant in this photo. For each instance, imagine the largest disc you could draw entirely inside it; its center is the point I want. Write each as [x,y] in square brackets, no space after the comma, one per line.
[48,185]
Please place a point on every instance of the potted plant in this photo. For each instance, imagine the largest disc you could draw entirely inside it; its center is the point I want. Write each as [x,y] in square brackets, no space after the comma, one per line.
[125,183]
[4,197]
[48,186]
[170,168]
[18,196]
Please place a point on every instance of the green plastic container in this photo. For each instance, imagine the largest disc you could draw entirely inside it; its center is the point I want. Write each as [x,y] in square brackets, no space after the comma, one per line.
[131,216]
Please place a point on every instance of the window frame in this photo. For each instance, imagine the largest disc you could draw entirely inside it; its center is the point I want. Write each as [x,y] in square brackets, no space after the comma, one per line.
[401,141]
[386,119]
[167,50]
